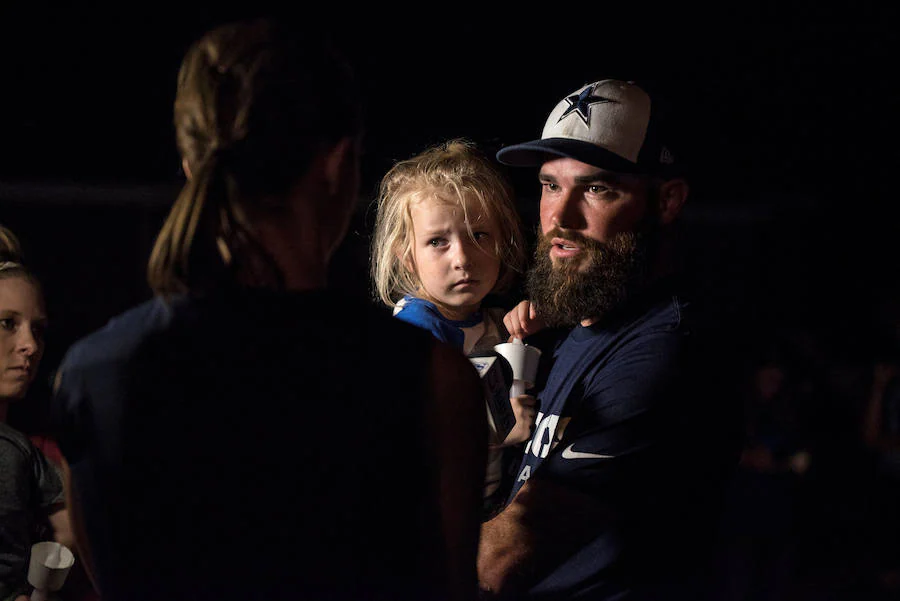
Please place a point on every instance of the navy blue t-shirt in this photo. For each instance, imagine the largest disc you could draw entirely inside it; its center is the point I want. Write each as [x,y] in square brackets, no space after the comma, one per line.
[236,448]
[625,417]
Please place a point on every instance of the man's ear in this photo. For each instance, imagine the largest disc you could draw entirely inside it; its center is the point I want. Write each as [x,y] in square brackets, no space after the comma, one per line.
[340,158]
[672,194]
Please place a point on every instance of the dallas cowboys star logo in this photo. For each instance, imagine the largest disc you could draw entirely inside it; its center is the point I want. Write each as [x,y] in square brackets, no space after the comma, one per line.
[580,104]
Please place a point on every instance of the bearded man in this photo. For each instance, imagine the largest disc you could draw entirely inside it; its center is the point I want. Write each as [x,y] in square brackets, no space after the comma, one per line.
[617,492]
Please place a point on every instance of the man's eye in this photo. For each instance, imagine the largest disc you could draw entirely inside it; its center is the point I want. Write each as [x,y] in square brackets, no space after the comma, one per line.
[550,186]
[597,189]
[8,323]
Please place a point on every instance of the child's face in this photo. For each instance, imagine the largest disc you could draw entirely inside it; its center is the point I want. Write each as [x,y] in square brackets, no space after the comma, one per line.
[456,272]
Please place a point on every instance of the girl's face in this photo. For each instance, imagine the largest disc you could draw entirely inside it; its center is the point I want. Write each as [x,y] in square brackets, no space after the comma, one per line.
[22,325]
[455,272]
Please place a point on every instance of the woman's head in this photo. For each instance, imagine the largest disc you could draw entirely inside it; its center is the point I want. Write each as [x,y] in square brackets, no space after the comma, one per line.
[23,320]
[257,106]
[437,211]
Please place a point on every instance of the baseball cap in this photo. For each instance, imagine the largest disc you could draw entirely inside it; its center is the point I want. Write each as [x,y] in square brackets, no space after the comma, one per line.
[610,124]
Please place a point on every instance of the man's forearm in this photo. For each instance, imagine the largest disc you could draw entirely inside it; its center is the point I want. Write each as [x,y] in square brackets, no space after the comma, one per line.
[543,524]
[504,551]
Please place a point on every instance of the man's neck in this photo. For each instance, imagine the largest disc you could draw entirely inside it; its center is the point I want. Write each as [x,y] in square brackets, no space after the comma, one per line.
[637,293]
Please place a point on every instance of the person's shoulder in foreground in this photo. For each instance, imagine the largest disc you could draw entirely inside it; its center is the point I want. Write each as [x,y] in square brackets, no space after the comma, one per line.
[615,477]
[120,334]
[323,310]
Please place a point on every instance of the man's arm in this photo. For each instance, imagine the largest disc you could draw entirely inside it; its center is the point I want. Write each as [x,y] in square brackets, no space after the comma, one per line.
[458,422]
[537,530]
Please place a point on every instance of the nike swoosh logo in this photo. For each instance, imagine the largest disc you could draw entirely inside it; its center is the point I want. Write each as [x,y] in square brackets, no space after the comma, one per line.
[570,453]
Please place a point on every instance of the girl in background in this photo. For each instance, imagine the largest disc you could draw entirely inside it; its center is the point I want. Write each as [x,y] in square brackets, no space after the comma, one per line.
[31,492]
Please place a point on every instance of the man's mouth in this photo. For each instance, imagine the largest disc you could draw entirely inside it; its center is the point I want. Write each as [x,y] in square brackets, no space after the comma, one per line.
[564,248]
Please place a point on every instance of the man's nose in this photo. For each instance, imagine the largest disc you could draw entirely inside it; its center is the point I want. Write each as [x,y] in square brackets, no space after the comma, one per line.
[566,212]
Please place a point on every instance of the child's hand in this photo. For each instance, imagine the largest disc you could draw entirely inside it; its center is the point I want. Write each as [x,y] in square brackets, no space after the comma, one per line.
[523,407]
[522,321]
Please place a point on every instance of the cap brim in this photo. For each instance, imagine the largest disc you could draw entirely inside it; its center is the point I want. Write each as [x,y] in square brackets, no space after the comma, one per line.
[536,152]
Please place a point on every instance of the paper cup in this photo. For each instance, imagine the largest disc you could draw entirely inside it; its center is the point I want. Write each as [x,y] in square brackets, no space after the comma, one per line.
[523,359]
[50,564]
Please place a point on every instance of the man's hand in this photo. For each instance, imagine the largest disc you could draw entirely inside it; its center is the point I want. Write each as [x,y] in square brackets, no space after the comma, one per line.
[523,320]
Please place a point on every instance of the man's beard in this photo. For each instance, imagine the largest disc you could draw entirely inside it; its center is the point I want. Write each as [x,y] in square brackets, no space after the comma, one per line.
[591,284]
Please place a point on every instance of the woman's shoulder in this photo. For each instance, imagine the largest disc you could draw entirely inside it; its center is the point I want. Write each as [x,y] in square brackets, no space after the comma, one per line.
[120,334]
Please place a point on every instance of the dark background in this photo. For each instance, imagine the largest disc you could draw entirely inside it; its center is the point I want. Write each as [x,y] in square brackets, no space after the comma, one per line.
[788,120]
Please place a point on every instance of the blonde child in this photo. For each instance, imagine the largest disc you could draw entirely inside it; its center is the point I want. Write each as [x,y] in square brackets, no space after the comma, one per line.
[446,236]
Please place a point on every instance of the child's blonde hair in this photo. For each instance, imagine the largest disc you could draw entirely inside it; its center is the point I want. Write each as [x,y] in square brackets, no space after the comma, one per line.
[455,172]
